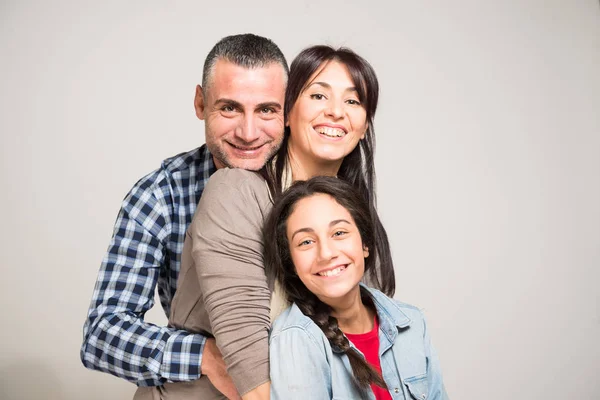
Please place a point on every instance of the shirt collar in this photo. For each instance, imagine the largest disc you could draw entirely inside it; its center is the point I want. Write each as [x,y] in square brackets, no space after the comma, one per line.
[391,317]
[209,164]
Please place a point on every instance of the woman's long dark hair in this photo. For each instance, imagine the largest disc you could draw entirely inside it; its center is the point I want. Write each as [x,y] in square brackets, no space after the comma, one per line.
[279,266]
[358,167]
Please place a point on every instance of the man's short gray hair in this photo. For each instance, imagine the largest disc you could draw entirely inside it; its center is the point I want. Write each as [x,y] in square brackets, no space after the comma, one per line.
[246,50]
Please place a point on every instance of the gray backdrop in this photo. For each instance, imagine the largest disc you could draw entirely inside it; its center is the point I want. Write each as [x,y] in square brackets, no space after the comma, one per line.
[489,176]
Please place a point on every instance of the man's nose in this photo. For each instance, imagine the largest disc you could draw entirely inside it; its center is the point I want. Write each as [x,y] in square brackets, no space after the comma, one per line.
[247,131]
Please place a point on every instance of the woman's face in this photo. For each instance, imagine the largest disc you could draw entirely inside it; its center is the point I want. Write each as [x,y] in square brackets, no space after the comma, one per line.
[326,249]
[327,120]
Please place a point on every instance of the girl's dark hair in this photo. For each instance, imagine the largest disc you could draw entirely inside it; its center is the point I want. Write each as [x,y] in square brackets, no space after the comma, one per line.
[358,167]
[279,266]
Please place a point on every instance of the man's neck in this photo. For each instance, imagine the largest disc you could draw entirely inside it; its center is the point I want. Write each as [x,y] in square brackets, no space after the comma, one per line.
[218,164]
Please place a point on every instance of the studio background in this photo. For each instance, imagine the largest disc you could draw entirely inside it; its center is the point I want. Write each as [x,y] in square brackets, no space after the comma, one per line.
[488,167]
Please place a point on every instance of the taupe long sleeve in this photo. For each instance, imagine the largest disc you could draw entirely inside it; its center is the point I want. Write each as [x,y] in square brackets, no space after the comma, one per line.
[223,288]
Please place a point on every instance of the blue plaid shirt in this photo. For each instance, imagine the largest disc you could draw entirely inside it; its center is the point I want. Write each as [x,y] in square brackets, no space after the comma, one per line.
[145,250]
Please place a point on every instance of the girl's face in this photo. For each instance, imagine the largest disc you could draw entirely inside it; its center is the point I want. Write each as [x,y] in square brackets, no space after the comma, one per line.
[327,120]
[326,249]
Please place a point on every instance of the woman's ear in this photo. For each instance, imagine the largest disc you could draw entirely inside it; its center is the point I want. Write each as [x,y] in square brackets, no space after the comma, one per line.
[365,132]
[365,251]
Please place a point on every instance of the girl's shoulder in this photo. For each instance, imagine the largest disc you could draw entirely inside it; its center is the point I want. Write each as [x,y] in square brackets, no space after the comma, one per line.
[290,318]
[400,312]
[293,329]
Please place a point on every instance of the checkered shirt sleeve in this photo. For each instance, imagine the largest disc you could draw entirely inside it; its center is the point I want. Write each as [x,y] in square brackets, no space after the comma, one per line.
[117,340]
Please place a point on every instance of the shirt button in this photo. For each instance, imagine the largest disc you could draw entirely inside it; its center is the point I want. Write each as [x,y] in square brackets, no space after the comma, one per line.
[396,390]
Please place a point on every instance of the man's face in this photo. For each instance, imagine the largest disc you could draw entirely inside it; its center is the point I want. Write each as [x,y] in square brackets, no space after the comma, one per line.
[243,113]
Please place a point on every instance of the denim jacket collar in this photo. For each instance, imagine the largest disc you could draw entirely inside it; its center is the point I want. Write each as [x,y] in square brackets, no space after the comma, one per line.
[391,318]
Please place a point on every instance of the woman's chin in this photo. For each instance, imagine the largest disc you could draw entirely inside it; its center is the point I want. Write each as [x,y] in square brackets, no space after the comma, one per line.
[333,157]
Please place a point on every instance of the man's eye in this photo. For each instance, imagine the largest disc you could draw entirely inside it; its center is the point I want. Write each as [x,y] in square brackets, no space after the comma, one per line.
[267,110]
[227,109]
[339,233]
[317,96]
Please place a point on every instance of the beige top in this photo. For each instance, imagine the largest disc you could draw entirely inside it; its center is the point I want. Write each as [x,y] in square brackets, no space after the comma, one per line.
[222,289]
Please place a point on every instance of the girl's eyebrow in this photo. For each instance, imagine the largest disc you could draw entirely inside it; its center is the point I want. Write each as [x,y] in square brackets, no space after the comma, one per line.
[332,223]
[338,221]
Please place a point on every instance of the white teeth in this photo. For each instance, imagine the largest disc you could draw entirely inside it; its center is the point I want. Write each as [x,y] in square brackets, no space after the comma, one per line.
[331,132]
[333,272]
[245,148]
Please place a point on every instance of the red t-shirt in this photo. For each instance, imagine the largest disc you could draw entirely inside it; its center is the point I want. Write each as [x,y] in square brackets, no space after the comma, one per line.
[368,344]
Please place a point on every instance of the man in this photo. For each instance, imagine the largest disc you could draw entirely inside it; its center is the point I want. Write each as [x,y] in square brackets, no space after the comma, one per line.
[241,103]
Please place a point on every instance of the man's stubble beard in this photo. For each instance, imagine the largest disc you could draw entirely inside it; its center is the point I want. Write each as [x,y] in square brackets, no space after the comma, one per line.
[220,155]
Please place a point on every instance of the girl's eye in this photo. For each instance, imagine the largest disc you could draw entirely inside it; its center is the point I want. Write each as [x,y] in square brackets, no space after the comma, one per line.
[305,242]
[339,233]
[317,96]
[354,102]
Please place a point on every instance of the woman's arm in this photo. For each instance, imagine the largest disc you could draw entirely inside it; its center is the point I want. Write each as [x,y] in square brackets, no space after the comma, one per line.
[227,254]
[259,393]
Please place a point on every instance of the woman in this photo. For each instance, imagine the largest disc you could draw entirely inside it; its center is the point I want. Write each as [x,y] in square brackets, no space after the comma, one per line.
[330,103]
[324,242]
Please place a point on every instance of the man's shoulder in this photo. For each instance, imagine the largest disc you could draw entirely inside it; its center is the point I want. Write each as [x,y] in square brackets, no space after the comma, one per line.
[195,160]
[182,166]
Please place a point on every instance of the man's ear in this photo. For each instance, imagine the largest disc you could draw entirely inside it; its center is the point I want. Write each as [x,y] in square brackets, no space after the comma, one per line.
[199,102]
[365,251]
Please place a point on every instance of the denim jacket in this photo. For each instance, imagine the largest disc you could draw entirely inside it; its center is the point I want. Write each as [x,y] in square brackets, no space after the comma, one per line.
[304,365]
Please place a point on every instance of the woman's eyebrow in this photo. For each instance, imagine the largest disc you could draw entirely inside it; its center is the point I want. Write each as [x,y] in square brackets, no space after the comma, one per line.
[322,84]
[328,86]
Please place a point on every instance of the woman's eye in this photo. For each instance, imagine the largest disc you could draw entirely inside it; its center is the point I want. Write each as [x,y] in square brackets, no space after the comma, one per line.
[305,242]
[317,96]
[339,233]
[354,102]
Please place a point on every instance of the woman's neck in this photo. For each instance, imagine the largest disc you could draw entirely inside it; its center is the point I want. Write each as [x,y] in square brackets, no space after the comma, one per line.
[303,169]
[354,317]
